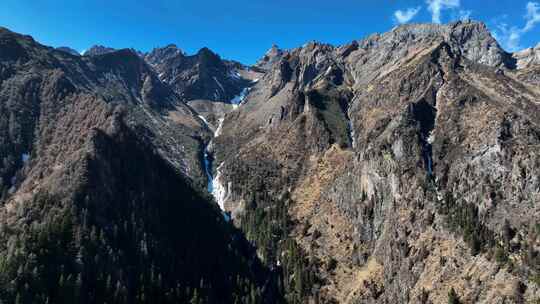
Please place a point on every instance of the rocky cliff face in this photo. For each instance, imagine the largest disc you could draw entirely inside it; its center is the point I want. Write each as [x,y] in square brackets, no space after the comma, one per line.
[271,56]
[410,160]
[528,58]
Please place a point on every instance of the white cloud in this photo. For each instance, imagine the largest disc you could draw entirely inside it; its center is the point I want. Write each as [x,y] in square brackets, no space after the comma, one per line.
[510,36]
[464,15]
[406,16]
[533,15]
[436,6]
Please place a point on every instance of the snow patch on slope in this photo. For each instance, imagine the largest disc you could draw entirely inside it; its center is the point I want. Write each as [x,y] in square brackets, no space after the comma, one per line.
[219,84]
[220,127]
[352,135]
[25,157]
[431,138]
[234,75]
[214,184]
[238,99]
[220,191]
[204,120]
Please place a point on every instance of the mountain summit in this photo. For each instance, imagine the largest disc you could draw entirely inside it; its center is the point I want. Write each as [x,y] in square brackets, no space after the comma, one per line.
[98,50]
[201,76]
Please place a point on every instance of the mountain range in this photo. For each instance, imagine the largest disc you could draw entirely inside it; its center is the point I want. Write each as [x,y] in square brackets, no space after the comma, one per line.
[399,168]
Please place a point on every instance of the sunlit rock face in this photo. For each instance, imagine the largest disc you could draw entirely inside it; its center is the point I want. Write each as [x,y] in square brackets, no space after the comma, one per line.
[408,154]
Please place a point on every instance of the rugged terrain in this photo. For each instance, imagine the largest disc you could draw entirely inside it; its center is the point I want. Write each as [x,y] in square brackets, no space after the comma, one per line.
[400,168]
[201,76]
[102,180]
[410,159]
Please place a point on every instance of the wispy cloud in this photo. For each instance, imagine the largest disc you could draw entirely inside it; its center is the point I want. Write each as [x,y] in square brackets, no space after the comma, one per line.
[437,6]
[405,16]
[532,16]
[464,14]
[510,36]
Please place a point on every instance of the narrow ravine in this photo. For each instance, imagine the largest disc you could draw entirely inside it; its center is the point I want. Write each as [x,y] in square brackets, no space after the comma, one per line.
[219,191]
[425,114]
[215,186]
[237,100]
[350,126]
[427,155]
[208,159]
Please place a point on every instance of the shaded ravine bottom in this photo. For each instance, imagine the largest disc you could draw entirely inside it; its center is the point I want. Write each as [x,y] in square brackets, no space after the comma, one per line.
[208,160]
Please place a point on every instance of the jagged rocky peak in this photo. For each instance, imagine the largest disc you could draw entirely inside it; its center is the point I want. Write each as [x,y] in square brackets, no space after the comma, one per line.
[346,49]
[98,50]
[478,44]
[273,51]
[270,57]
[527,57]
[301,64]
[164,53]
[378,53]
[316,48]
[68,50]
[120,56]
[204,75]
[474,41]
[471,38]
[207,56]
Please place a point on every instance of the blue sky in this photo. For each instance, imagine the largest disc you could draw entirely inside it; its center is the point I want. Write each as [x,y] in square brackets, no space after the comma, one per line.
[244,29]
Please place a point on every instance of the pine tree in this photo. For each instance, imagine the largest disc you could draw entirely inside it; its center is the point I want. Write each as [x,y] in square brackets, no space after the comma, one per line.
[453,297]
[195,298]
